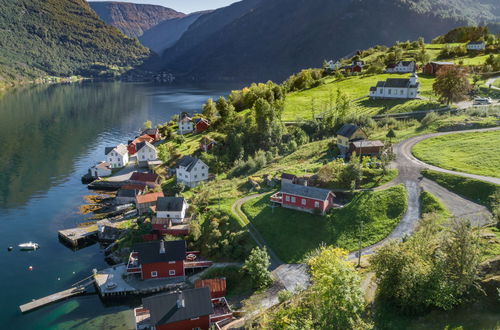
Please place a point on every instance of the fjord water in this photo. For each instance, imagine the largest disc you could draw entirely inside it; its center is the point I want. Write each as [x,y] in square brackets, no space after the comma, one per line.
[50,135]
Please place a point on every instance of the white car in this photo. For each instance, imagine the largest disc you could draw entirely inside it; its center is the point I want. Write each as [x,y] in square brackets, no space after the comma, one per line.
[482,101]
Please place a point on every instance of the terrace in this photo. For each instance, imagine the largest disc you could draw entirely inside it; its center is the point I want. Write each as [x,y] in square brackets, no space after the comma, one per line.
[277,198]
[222,311]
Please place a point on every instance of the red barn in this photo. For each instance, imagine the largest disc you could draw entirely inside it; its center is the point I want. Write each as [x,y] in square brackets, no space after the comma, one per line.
[158,259]
[304,198]
[201,125]
[432,68]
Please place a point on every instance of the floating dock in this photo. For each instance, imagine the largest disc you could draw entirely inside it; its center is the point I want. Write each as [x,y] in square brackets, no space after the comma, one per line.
[52,298]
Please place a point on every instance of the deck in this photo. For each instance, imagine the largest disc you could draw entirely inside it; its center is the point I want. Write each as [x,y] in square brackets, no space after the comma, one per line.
[37,303]
[111,283]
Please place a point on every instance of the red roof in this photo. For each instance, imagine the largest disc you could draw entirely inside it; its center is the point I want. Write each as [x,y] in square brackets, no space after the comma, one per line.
[217,286]
[148,198]
[144,177]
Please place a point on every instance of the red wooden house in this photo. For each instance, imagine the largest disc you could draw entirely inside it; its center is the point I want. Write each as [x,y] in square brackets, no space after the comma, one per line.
[150,179]
[432,68]
[304,198]
[158,259]
[132,145]
[189,309]
[153,133]
[207,143]
[201,125]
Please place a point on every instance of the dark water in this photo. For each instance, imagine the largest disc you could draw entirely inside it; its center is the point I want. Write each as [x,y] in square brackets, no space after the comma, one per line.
[49,136]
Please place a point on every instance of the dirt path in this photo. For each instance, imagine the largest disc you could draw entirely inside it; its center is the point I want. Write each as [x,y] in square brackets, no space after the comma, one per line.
[489,83]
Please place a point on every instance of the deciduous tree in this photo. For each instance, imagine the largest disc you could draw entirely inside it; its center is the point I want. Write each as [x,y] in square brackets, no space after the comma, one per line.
[257,266]
[451,85]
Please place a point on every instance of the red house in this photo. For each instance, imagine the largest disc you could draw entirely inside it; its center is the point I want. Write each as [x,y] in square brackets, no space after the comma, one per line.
[153,133]
[189,309]
[304,198]
[201,125]
[132,145]
[150,179]
[432,68]
[158,259]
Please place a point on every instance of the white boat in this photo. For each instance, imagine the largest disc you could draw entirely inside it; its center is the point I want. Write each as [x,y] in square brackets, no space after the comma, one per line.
[28,246]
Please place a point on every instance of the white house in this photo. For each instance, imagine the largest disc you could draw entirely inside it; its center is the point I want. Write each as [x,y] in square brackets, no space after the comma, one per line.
[396,88]
[191,171]
[172,208]
[402,67]
[185,124]
[331,65]
[476,45]
[117,156]
[100,170]
[146,152]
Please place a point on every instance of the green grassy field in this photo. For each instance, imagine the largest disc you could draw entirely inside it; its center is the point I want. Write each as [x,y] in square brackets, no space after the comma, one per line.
[475,153]
[431,204]
[292,234]
[478,191]
[299,105]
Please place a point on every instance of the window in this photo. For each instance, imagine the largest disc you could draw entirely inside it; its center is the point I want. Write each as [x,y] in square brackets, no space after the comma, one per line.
[196,176]
[401,92]
[143,157]
[304,201]
[171,272]
[389,92]
[154,274]
[168,215]
[287,198]
[202,174]
[171,262]
[293,199]
[203,167]
[316,204]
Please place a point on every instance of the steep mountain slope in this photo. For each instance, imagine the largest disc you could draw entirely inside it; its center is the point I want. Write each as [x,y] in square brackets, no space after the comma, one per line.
[133,19]
[167,33]
[260,40]
[60,38]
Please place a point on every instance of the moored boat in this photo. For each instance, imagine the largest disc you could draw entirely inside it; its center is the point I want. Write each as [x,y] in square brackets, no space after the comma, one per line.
[28,246]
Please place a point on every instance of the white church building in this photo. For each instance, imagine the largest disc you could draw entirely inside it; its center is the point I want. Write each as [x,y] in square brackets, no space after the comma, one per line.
[396,88]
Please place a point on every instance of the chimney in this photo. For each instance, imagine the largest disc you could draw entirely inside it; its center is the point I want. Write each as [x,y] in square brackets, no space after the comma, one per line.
[180,300]
[162,247]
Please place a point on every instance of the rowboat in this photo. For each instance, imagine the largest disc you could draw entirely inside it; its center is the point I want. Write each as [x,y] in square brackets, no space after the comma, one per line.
[28,246]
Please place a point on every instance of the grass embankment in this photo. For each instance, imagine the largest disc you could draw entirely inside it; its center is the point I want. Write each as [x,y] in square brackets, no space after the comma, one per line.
[478,191]
[431,204]
[475,153]
[298,105]
[292,234]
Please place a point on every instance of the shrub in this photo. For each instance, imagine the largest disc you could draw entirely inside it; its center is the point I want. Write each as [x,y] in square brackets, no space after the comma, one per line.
[429,119]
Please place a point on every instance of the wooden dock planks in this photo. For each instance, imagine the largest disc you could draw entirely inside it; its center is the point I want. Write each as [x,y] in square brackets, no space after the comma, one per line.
[52,298]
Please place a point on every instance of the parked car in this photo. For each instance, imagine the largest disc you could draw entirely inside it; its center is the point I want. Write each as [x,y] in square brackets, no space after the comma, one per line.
[482,101]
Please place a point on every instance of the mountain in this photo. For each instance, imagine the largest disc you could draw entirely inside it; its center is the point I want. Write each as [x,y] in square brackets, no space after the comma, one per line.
[167,33]
[60,38]
[256,40]
[133,19]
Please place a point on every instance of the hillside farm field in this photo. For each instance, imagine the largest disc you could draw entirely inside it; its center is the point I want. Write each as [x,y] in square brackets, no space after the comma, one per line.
[300,105]
[475,153]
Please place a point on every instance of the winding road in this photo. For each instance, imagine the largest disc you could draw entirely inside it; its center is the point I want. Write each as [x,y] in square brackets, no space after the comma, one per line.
[409,169]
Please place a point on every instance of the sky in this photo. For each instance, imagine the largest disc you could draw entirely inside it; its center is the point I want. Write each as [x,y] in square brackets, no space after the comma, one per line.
[185,6]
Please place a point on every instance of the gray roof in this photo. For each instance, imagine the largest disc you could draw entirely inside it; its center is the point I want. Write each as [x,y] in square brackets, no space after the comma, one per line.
[164,309]
[189,162]
[373,89]
[121,149]
[141,145]
[367,143]
[149,252]
[305,191]
[476,43]
[126,193]
[347,130]
[443,63]
[173,204]
[397,82]
[150,131]
[406,63]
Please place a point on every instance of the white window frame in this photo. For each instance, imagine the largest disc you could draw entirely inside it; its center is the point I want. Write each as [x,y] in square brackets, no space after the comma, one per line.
[154,273]
[304,201]
[316,204]
[171,272]
[293,199]
[287,198]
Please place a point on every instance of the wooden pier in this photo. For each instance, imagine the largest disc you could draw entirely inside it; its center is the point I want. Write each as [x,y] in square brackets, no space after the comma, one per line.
[52,298]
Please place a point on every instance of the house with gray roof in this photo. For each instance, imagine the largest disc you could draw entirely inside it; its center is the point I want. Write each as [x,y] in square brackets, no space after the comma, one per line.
[348,133]
[402,67]
[117,156]
[191,171]
[304,198]
[476,45]
[396,88]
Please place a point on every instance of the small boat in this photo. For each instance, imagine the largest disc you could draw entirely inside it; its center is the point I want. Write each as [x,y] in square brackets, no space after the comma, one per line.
[28,246]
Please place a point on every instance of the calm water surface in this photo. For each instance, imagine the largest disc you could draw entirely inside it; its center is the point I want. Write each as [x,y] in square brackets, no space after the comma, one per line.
[50,135]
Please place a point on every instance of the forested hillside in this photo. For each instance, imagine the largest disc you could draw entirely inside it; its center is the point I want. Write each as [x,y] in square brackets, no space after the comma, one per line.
[60,38]
[133,19]
[257,40]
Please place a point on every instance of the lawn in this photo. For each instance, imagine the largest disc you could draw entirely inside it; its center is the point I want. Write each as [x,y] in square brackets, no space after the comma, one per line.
[431,204]
[478,191]
[292,234]
[299,105]
[475,153]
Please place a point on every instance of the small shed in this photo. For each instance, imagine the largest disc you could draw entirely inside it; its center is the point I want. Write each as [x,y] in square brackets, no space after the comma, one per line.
[217,286]
[367,148]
